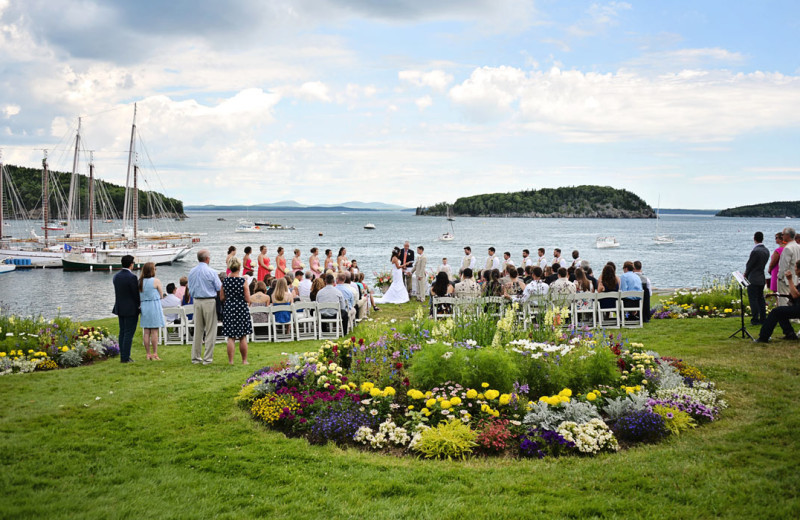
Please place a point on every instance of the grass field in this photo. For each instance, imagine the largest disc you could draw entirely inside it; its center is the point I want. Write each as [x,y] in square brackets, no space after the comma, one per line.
[165,440]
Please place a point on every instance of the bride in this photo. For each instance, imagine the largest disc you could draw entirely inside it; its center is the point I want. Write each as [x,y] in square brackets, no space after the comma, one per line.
[397,292]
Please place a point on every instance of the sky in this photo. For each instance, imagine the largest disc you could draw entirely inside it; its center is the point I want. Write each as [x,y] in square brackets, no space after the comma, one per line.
[411,102]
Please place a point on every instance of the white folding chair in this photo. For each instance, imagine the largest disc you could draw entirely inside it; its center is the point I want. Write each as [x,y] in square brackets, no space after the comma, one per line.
[282,331]
[534,312]
[583,309]
[173,333]
[261,317]
[632,310]
[492,305]
[465,308]
[442,307]
[334,321]
[305,320]
[608,317]
[189,330]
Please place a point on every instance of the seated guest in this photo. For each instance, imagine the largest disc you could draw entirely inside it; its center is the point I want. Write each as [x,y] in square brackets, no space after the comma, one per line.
[528,276]
[181,290]
[366,290]
[608,283]
[170,300]
[582,283]
[439,289]
[316,285]
[630,282]
[589,275]
[614,268]
[782,314]
[350,300]
[646,287]
[259,298]
[504,276]
[536,287]
[304,289]
[571,273]
[282,297]
[562,285]
[187,300]
[329,294]
[493,286]
[514,287]
[467,287]
[553,276]
[361,300]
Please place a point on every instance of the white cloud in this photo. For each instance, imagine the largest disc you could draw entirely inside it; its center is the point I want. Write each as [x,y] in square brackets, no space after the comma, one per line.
[313,91]
[599,18]
[689,105]
[438,80]
[11,110]
[424,102]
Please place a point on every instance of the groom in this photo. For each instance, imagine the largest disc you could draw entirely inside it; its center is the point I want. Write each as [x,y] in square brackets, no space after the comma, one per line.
[419,272]
[407,264]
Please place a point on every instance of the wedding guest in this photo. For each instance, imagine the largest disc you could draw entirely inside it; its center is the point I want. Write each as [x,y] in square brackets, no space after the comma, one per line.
[467,287]
[783,314]
[126,307]
[536,287]
[590,275]
[264,269]
[557,258]
[150,291]
[469,261]
[231,256]
[259,298]
[493,286]
[187,300]
[282,297]
[329,294]
[492,262]
[204,285]
[304,289]
[773,262]
[542,262]
[562,285]
[551,273]
[248,269]
[527,261]
[507,261]
[181,289]
[630,281]
[367,291]
[444,268]
[297,262]
[316,285]
[171,300]
[576,259]
[236,324]
[647,289]
[342,263]
[789,257]
[313,263]
[280,264]
[608,283]
[582,283]
[439,289]
[527,275]
[347,294]
[514,287]
[330,265]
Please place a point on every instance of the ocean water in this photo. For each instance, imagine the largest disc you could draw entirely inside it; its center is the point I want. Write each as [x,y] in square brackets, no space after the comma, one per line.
[704,247]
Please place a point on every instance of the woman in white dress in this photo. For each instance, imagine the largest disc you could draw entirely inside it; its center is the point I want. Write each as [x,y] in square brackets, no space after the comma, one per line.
[397,292]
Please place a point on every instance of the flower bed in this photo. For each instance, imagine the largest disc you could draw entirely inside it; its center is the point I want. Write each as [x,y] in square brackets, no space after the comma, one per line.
[30,344]
[433,391]
[718,298]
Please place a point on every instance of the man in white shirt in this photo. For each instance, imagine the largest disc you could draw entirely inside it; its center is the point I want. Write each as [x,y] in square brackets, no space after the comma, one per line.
[469,261]
[542,262]
[507,261]
[526,258]
[576,259]
[536,288]
[444,268]
[467,287]
[170,300]
[304,289]
[330,294]
[557,259]
[492,262]
[562,285]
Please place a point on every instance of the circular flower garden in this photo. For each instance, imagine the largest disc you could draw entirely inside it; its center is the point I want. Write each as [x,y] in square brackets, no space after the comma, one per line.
[455,389]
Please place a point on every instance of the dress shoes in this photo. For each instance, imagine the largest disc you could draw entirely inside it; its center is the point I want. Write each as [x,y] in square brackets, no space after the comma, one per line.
[759,340]
[791,337]
[129,361]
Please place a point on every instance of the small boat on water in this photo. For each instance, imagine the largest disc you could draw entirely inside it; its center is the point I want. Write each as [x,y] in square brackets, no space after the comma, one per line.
[278,227]
[660,239]
[7,268]
[370,226]
[245,226]
[607,242]
[447,237]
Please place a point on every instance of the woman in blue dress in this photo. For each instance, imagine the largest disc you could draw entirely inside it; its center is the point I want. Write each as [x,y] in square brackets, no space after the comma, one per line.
[236,324]
[150,291]
[282,297]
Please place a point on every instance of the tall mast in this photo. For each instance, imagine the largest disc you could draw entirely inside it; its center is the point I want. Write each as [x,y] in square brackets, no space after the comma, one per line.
[91,198]
[73,192]
[128,176]
[135,204]
[45,196]
[2,195]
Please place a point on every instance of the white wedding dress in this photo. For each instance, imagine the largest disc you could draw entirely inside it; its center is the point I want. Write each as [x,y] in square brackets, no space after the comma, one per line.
[397,292]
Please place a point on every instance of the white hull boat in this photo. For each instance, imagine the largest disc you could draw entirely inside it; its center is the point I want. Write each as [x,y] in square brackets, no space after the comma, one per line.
[607,243]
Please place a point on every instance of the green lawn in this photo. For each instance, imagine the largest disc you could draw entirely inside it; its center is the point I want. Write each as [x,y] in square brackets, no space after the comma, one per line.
[165,440]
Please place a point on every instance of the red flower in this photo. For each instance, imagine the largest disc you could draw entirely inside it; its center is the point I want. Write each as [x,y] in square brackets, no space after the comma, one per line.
[406,382]
[398,366]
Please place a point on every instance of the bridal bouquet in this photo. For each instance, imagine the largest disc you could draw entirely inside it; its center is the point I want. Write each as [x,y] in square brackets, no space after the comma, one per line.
[383,279]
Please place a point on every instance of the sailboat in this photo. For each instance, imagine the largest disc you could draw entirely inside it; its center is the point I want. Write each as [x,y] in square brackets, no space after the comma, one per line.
[659,238]
[449,217]
[448,236]
[161,249]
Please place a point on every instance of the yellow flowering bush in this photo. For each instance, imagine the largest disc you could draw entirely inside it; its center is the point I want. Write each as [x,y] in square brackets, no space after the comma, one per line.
[271,407]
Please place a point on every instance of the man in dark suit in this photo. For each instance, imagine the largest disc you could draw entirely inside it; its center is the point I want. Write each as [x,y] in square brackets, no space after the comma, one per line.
[126,307]
[407,264]
[754,273]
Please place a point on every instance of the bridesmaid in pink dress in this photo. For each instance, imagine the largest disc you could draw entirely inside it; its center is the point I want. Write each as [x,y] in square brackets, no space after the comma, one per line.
[313,263]
[263,264]
[297,263]
[774,261]
[248,269]
[329,263]
[280,264]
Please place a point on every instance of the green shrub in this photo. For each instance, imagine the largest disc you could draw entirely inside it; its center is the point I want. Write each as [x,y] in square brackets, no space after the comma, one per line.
[500,368]
[438,362]
[585,368]
[448,440]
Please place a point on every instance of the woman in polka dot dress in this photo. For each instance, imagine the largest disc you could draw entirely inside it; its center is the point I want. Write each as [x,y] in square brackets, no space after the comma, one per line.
[236,324]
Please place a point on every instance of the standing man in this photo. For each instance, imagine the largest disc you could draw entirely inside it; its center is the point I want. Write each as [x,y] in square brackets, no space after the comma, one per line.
[557,258]
[647,287]
[576,259]
[754,273]
[469,261]
[204,285]
[126,307]
[789,257]
[527,261]
[492,262]
[542,263]
[407,264]
[507,261]
[419,271]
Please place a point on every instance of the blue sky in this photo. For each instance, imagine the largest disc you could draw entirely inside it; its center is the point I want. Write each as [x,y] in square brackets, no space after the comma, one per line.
[412,102]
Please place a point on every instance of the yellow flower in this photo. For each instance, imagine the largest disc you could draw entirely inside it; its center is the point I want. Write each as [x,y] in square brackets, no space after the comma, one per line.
[430,403]
[344,387]
[485,408]
[563,398]
[375,392]
[480,396]
[485,385]
[505,399]
[553,400]
[543,399]
[2,354]
[366,387]
[472,394]
[496,413]
[455,401]
[388,391]
[30,351]
[428,393]
[492,394]
[446,404]
[566,392]
[411,407]
[591,396]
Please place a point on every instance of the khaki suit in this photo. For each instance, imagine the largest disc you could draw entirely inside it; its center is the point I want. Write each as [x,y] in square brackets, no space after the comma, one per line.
[420,276]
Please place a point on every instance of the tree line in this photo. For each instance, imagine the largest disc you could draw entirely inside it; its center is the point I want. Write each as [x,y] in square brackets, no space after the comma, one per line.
[780,209]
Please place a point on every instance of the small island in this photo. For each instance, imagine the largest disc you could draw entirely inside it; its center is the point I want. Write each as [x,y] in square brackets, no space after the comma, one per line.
[780,209]
[569,202]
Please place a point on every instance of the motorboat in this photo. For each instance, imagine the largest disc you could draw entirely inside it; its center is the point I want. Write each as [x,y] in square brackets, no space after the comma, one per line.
[245,226]
[370,226]
[607,243]
[448,236]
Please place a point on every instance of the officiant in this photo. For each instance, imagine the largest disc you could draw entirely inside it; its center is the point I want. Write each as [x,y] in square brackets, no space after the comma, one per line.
[407,265]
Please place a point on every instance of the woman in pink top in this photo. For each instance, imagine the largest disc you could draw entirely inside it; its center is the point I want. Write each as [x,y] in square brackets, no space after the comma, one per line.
[774,261]
[297,263]
[313,263]
[280,264]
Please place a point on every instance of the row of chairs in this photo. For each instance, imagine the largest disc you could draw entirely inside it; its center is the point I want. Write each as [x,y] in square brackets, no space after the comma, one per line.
[622,308]
[307,320]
